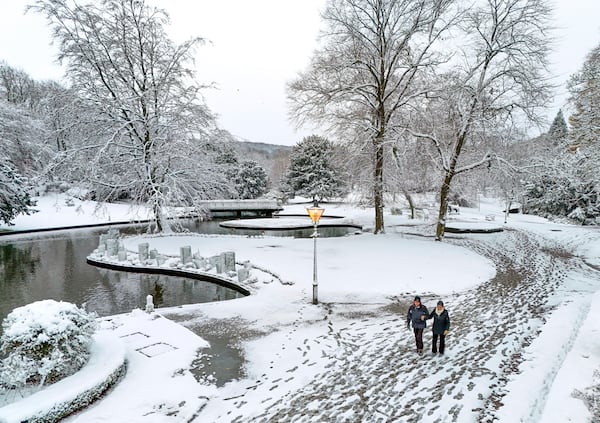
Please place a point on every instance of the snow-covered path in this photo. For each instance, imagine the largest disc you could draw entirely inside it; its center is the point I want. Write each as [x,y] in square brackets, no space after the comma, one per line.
[356,362]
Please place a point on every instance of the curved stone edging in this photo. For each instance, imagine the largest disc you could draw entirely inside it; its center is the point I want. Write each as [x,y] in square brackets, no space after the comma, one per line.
[228,283]
[67,228]
[290,228]
[67,396]
[472,230]
[305,215]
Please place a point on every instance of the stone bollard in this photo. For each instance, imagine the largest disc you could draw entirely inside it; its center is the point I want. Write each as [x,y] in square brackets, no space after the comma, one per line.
[229,261]
[121,252]
[185,254]
[111,247]
[149,304]
[102,242]
[218,262]
[243,274]
[143,251]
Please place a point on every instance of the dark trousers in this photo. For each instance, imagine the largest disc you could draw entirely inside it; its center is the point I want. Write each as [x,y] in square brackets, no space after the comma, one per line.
[419,338]
[442,343]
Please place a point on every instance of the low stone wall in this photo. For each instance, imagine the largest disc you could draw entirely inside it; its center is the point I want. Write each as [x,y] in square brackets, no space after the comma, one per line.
[221,269]
[185,273]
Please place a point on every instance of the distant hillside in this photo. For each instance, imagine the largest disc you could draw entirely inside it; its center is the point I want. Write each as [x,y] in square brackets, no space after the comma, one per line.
[273,158]
[261,149]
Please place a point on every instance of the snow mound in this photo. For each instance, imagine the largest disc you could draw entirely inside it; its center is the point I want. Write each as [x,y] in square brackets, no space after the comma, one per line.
[105,366]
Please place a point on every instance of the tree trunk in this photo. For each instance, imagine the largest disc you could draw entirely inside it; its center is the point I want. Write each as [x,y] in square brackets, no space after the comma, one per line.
[378,184]
[158,215]
[441,222]
[411,203]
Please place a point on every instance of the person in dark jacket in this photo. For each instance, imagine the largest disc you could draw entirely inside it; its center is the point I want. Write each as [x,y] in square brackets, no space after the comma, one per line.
[441,326]
[417,315]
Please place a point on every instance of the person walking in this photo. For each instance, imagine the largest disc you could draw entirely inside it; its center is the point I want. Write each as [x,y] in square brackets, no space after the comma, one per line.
[417,315]
[441,326]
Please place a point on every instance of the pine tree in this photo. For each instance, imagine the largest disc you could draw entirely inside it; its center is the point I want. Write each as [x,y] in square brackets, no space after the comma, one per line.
[558,131]
[584,87]
[251,180]
[312,172]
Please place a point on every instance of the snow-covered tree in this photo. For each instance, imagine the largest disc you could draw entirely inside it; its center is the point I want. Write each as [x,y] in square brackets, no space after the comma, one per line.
[364,73]
[14,197]
[498,76]
[566,185]
[154,125]
[44,342]
[22,136]
[584,87]
[251,180]
[17,87]
[311,172]
[558,131]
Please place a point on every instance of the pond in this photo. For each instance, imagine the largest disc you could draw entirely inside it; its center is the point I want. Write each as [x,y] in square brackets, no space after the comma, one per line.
[52,265]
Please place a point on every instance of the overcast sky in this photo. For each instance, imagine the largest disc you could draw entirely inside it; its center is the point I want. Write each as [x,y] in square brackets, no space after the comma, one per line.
[257,46]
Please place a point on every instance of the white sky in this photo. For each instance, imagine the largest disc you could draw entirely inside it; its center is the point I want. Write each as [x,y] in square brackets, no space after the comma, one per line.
[257,46]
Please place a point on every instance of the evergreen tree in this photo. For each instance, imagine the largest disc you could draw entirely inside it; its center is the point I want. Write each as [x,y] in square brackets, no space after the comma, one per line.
[251,180]
[558,130]
[584,87]
[14,198]
[312,172]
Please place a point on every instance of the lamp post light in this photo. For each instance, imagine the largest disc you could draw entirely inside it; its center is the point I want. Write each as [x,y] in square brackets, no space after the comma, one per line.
[315,214]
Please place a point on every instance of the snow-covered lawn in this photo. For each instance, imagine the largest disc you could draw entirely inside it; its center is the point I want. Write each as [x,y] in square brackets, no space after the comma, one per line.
[515,356]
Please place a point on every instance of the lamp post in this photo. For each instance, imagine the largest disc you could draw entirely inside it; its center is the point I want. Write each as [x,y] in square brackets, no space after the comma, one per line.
[315,214]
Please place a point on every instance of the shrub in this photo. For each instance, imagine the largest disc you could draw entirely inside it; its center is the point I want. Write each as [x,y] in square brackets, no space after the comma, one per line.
[44,342]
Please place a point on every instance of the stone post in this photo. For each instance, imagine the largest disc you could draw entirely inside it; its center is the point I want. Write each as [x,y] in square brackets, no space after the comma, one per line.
[229,260]
[149,304]
[243,274]
[143,251]
[185,254]
[111,247]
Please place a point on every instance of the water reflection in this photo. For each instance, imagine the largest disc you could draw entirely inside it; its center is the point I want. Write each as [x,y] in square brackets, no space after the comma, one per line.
[53,266]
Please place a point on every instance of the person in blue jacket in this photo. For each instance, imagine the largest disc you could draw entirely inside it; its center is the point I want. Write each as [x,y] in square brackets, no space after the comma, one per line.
[417,315]
[441,326]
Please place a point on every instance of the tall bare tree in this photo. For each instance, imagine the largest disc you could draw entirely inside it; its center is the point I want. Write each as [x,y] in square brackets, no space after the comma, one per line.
[498,75]
[120,61]
[365,71]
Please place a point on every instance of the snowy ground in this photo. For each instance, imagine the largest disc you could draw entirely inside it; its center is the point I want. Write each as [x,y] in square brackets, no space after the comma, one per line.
[524,335]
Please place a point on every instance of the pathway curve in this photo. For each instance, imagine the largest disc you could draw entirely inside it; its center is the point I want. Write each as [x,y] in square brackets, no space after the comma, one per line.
[368,370]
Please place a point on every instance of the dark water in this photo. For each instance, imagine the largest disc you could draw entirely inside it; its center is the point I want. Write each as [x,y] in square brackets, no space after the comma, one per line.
[52,265]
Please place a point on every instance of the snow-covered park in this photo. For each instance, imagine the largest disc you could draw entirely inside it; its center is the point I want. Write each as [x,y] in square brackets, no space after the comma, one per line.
[523,343]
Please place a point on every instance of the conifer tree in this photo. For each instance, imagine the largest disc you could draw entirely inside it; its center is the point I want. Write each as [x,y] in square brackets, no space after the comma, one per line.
[312,172]
[584,87]
[558,130]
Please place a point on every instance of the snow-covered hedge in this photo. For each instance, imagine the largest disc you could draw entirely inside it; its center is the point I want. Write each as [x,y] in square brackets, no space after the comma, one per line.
[104,368]
[44,342]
